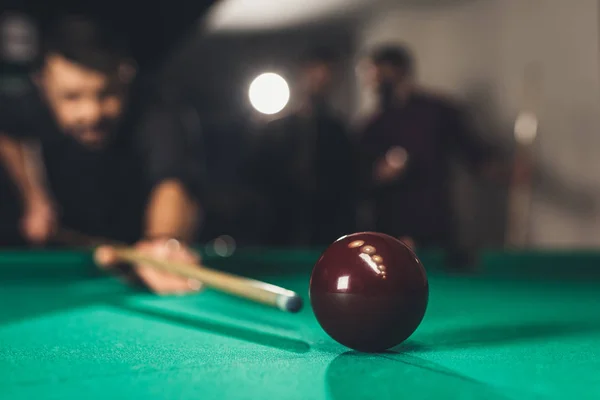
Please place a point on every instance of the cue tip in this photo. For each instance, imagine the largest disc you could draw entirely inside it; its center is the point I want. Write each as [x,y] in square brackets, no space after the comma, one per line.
[290,303]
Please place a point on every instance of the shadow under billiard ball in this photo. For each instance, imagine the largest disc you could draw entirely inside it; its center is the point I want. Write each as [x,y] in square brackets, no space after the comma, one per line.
[396,376]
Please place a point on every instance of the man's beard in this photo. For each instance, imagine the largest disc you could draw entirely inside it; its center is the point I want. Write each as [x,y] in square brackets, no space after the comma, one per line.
[95,137]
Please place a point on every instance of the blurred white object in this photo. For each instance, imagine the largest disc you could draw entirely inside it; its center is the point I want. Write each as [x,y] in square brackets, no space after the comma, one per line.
[243,15]
[222,246]
[526,126]
[18,38]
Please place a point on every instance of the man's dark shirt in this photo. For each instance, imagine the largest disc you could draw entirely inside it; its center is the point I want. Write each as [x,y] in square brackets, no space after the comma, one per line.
[105,192]
[304,167]
[432,131]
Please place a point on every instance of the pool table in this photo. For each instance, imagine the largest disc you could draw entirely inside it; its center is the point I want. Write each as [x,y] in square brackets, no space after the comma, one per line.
[526,325]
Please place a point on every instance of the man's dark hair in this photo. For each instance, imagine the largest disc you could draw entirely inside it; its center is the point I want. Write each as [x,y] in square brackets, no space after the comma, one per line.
[87,42]
[396,55]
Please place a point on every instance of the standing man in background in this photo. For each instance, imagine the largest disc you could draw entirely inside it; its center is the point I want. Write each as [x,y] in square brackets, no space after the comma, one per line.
[112,159]
[406,148]
[303,164]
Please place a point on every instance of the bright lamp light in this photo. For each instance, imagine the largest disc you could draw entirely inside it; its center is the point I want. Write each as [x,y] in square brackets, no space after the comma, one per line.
[269,93]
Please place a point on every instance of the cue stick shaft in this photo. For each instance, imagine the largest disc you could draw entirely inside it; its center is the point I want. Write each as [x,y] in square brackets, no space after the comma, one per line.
[250,289]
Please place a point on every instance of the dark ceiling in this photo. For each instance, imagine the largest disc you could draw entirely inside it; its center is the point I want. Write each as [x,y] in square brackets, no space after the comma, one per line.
[153,27]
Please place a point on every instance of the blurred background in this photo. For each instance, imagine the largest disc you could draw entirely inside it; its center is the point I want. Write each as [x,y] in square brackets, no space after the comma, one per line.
[500,58]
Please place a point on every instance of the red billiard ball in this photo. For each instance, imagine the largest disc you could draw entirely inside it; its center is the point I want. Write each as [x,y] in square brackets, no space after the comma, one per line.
[369,291]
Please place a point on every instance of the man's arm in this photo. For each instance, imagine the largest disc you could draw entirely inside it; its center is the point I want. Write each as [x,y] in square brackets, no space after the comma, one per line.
[171,214]
[38,217]
[169,154]
[171,211]
[380,164]
[13,158]
[482,158]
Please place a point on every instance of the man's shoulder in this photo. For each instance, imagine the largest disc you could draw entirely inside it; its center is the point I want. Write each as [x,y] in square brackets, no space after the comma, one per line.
[441,101]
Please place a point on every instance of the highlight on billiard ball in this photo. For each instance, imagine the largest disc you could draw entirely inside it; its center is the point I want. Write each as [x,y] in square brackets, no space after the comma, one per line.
[369,291]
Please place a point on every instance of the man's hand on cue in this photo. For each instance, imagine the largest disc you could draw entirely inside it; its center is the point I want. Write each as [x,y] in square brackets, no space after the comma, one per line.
[158,281]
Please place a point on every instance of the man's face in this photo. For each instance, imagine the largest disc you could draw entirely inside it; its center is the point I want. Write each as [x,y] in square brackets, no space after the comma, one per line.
[317,80]
[86,104]
[388,82]
[384,75]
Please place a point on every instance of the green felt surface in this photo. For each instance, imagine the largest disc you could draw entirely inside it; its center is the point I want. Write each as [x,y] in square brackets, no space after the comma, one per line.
[67,333]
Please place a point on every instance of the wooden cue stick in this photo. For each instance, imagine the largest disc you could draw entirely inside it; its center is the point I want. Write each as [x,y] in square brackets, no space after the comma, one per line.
[250,289]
